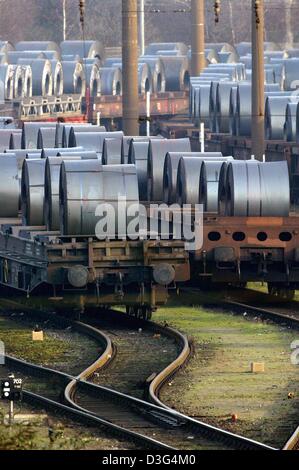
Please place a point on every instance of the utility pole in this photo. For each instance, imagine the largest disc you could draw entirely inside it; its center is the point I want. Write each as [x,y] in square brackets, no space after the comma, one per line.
[130,67]
[141,27]
[64,18]
[198,61]
[258,80]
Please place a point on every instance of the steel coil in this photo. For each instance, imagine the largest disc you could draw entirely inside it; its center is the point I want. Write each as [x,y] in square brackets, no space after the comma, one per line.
[63,133]
[250,189]
[157,151]
[30,133]
[243,109]
[145,81]
[57,74]
[27,81]
[69,132]
[290,127]
[34,155]
[138,156]
[42,78]
[83,154]
[275,112]
[87,185]
[10,186]
[33,192]
[5,138]
[158,72]
[111,81]
[6,46]
[223,97]
[3,59]
[93,79]
[202,101]
[51,199]
[92,140]
[178,47]
[171,165]
[209,183]
[7,81]
[112,152]
[84,49]
[290,74]
[18,88]
[37,46]
[126,144]
[46,137]
[177,74]
[188,175]
[15,139]
[74,79]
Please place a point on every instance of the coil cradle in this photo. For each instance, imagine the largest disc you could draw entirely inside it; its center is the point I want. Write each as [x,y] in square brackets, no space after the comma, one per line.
[86,186]
[249,189]
[157,151]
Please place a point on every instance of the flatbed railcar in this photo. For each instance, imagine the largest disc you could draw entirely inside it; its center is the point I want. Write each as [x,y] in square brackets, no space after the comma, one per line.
[89,272]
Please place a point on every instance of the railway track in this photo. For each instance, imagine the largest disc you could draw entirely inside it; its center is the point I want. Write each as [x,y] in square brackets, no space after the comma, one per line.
[144,423]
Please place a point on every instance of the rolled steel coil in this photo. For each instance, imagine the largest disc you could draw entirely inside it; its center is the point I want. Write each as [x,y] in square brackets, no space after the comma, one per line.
[126,144]
[111,81]
[3,58]
[54,151]
[212,56]
[5,138]
[37,46]
[223,96]
[233,111]
[84,49]
[275,112]
[87,185]
[145,79]
[42,78]
[6,46]
[229,57]
[188,175]
[15,56]
[202,101]
[46,137]
[69,131]
[15,139]
[250,189]
[138,156]
[30,133]
[243,109]
[10,186]
[92,140]
[290,127]
[33,155]
[83,154]
[112,152]
[93,79]
[51,199]
[33,192]
[177,74]
[27,81]
[63,133]
[57,74]
[18,87]
[209,183]
[154,47]
[74,79]
[157,151]
[293,53]
[290,74]
[158,72]
[7,81]
[170,173]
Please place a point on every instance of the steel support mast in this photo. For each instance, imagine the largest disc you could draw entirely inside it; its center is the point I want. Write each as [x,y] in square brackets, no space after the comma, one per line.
[258,80]
[130,67]
[198,61]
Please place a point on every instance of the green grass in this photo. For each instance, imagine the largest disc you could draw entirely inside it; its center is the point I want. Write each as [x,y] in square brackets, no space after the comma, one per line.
[217,382]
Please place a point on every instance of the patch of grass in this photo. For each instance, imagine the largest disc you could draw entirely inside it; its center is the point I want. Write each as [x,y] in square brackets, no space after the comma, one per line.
[217,382]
